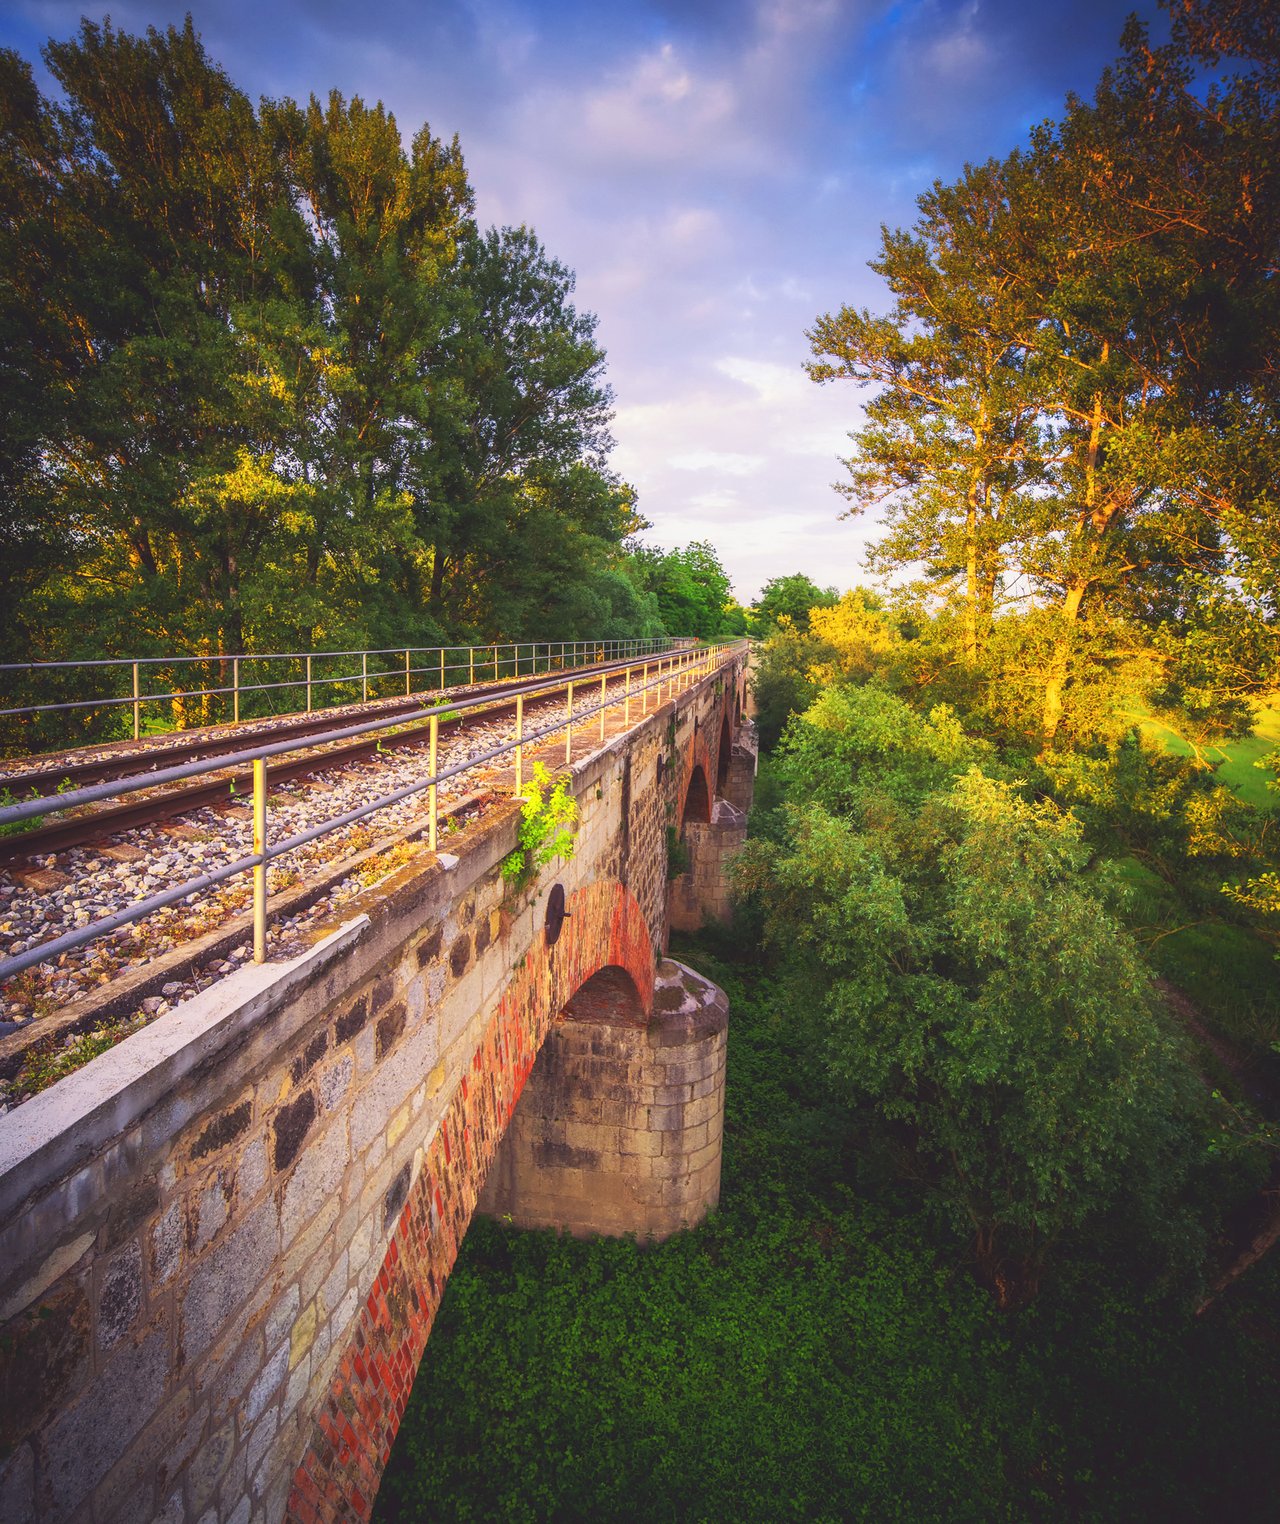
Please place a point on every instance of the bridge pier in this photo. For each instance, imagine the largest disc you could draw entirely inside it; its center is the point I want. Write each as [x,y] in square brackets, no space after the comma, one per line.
[713,833]
[704,892]
[619,1127]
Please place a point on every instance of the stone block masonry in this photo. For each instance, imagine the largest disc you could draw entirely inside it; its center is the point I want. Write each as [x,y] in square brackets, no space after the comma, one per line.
[620,1125]
[223,1242]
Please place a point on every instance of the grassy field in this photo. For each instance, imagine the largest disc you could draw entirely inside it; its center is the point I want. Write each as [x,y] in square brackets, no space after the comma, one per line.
[1233,761]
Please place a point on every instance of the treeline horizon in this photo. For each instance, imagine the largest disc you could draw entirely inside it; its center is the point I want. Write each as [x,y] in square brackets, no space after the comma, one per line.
[269,386]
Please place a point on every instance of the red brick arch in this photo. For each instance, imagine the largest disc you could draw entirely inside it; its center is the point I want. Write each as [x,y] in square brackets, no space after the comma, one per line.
[352,1434]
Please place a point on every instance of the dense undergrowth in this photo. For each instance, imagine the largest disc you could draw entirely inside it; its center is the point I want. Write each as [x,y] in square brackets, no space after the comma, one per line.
[817,1351]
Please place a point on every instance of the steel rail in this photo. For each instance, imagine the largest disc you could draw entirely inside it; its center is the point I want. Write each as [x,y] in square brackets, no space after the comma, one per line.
[683,664]
[28,809]
[236,688]
[111,820]
[106,768]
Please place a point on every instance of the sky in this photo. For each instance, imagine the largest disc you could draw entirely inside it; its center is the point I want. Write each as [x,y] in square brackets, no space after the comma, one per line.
[716,172]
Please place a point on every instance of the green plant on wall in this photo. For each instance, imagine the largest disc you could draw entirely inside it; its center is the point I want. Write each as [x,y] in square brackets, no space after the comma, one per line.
[677,854]
[548,820]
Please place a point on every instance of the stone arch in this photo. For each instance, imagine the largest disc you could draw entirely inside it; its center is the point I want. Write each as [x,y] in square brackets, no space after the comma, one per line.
[697,797]
[725,754]
[353,1431]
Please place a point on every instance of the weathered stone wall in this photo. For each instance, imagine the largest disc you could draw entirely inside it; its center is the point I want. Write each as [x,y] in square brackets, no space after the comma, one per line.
[619,1128]
[704,892]
[223,1242]
[740,785]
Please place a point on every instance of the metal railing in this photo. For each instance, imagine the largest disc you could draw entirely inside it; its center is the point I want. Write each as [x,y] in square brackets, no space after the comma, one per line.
[673,671]
[245,678]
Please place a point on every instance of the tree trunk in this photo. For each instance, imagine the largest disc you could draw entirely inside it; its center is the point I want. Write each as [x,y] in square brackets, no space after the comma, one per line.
[436,596]
[1053,706]
[1093,523]
[973,504]
[971,593]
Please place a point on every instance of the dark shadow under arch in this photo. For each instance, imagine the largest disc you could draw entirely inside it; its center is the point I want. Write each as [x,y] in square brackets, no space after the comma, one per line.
[609,995]
[725,756]
[697,799]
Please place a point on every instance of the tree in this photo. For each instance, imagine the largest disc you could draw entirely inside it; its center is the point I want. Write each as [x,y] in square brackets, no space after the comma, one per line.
[387,229]
[267,384]
[984,1009]
[953,440]
[692,588]
[790,597]
[1077,385]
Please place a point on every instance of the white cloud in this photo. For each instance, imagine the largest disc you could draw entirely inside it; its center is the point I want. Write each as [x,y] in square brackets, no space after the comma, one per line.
[726,461]
[770,381]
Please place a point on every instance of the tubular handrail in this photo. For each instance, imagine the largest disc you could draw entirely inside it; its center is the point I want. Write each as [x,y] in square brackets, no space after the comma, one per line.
[477,658]
[676,665]
[97,793]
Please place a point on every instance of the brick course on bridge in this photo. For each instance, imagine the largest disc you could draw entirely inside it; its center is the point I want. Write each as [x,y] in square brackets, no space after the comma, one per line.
[222,1244]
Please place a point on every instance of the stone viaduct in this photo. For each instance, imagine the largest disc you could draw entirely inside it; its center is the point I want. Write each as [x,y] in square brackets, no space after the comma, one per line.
[223,1242]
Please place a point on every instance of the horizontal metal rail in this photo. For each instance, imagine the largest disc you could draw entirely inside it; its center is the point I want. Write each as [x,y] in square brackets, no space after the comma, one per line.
[676,668]
[446,659]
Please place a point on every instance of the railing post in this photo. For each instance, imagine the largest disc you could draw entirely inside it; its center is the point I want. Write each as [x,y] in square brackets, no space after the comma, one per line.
[235,689]
[442,669]
[431,791]
[471,678]
[644,690]
[364,674]
[308,685]
[495,664]
[568,728]
[604,696]
[260,868]
[137,706]
[519,743]
[626,702]
[406,672]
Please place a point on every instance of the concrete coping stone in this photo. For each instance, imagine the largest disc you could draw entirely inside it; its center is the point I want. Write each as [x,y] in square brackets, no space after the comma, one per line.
[58,1130]
[685,1002]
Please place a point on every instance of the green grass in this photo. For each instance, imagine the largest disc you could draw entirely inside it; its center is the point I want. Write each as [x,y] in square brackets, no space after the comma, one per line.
[815,1353]
[1229,973]
[1234,762]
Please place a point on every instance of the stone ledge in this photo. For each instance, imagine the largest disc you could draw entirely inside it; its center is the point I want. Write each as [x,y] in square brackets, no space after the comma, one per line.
[56,1131]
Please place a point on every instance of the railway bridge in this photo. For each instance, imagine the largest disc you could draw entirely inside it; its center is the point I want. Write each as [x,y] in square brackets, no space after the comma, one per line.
[223,1242]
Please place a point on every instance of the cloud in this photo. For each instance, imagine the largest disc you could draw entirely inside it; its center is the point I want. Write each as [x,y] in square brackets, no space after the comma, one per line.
[725,461]
[770,381]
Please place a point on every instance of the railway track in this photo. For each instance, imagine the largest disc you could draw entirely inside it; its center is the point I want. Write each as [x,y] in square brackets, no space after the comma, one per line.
[231,786]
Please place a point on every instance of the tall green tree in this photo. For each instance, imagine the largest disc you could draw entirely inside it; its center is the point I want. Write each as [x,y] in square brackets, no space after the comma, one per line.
[954,438]
[1077,384]
[691,586]
[792,597]
[525,408]
[985,1012]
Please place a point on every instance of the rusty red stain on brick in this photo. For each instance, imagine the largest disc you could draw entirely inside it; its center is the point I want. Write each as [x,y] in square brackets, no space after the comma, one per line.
[376,1372]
